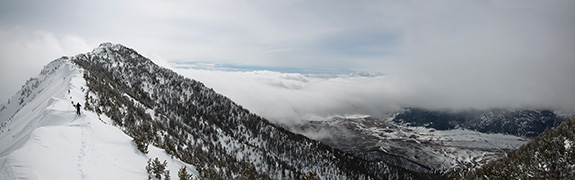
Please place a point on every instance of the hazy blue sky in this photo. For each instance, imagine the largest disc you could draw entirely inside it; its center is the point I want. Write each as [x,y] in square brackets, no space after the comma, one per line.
[444,53]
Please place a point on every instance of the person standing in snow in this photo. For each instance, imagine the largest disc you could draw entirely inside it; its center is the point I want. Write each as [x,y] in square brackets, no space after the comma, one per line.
[78,108]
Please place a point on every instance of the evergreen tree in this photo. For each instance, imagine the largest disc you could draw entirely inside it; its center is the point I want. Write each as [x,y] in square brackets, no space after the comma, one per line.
[156,170]
[183,174]
[310,176]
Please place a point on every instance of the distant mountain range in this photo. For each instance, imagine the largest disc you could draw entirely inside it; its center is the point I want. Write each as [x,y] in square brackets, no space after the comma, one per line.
[518,122]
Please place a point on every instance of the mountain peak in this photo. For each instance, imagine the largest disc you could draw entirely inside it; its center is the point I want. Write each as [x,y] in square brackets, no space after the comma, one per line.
[108,46]
[117,54]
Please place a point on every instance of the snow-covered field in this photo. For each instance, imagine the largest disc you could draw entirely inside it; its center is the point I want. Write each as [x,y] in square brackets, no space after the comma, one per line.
[42,137]
[446,149]
[421,149]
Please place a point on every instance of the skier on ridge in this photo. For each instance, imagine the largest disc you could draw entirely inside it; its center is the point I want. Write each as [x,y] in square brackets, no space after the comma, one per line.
[78,108]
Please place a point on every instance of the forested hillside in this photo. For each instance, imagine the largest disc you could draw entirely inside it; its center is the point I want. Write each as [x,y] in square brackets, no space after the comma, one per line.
[549,156]
[519,122]
[201,127]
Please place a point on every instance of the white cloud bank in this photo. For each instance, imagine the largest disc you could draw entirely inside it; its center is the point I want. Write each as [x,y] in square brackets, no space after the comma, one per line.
[291,97]
[23,53]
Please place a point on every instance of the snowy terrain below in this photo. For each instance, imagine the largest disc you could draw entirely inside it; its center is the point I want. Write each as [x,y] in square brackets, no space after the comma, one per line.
[417,148]
[42,137]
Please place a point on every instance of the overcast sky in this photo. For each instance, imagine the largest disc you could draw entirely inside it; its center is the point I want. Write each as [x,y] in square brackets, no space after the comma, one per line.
[441,54]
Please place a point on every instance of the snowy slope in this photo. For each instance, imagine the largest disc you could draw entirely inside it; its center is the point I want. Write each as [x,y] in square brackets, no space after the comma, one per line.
[42,137]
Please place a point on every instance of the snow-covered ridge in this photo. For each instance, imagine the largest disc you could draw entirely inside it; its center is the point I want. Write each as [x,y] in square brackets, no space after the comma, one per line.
[194,123]
[30,101]
[28,90]
[42,137]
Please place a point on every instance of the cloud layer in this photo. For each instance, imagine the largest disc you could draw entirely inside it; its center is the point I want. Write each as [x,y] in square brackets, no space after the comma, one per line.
[23,53]
[291,97]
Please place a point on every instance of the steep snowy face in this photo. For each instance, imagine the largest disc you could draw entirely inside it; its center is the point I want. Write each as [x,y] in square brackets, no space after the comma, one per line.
[41,137]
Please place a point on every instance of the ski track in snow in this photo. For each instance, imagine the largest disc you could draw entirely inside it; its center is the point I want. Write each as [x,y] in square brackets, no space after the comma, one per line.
[7,173]
[82,154]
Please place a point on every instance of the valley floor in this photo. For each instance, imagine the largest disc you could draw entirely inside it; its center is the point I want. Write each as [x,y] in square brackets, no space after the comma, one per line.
[419,149]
